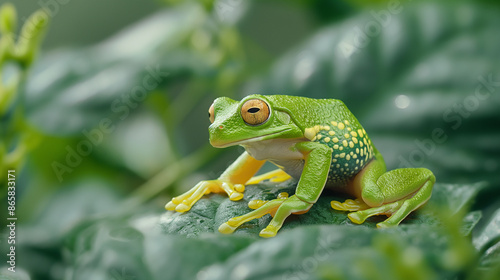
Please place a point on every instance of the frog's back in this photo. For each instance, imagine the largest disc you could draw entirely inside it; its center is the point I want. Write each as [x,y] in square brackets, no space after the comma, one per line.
[330,122]
[307,112]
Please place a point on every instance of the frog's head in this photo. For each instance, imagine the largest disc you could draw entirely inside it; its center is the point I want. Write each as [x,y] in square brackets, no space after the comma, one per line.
[252,119]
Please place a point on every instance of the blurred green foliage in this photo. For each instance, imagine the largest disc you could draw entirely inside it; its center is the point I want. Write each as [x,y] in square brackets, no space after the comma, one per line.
[108,132]
[16,57]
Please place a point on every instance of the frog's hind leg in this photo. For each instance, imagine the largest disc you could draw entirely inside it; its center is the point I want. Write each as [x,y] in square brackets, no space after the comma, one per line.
[396,193]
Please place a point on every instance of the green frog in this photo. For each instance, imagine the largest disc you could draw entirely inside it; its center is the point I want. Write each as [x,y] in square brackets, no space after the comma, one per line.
[320,143]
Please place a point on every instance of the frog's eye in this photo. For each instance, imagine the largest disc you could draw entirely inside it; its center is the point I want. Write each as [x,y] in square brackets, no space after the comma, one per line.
[211,113]
[255,112]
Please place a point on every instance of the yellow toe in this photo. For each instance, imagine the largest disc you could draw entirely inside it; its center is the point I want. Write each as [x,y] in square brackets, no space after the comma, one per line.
[236,196]
[355,218]
[337,205]
[269,231]
[226,229]
[239,188]
[385,225]
[170,206]
[256,203]
[182,208]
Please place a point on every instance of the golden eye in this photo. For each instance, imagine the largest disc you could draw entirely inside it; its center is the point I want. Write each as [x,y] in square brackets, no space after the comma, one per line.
[255,112]
[211,114]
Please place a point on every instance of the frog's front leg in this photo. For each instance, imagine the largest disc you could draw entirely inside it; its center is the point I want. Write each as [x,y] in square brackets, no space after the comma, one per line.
[312,181]
[231,182]
[396,193]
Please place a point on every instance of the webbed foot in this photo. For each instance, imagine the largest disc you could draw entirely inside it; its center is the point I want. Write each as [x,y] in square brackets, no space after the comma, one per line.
[280,208]
[184,202]
[349,205]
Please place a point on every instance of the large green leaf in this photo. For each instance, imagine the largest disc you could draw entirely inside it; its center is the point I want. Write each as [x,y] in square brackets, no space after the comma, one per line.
[208,214]
[322,241]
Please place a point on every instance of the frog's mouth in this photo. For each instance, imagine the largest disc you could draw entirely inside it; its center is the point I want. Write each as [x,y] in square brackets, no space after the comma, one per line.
[248,140]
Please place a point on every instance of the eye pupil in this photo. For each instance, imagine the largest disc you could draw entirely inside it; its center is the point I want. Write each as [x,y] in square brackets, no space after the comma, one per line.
[253,110]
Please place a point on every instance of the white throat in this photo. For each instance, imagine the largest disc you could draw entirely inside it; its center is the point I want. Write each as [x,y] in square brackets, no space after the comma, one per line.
[280,152]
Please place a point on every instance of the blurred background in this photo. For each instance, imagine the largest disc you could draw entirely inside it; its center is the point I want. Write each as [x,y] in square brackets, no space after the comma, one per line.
[104,103]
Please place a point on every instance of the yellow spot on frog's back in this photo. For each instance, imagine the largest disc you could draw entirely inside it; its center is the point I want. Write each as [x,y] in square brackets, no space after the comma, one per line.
[334,123]
[335,140]
[361,153]
[331,132]
[349,128]
[338,165]
[309,133]
[355,140]
[357,150]
[348,157]
[360,132]
[319,136]
[341,126]
[354,134]
[326,127]
[327,139]
[346,122]
[335,146]
[344,143]
[334,160]
[342,155]
[346,135]
[351,144]
[360,144]
[354,156]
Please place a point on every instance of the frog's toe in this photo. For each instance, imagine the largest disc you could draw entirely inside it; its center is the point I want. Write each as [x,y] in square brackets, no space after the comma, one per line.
[235,196]
[349,205]
[357,217]
[170,206]
[182,208]
[256,203]
[386,225]
[226,229]
[276,176]
[239,188]
[269,231]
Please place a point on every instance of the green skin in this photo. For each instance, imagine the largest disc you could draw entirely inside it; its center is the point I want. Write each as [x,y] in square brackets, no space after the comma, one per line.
[320,143]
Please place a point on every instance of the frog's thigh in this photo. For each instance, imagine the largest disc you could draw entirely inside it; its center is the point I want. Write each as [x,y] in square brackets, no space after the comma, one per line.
[390,189]
[365,183]
[415,183]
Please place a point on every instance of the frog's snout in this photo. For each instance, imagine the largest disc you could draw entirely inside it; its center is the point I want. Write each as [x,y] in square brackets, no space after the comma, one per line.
[215,133]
